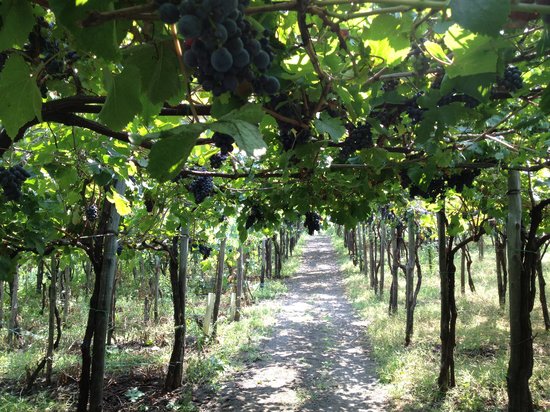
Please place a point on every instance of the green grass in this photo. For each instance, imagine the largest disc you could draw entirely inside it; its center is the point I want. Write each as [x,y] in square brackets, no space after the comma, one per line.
[481,354]
[140,348]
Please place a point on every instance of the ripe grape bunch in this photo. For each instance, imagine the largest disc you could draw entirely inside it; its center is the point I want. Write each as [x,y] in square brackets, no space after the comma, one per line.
[312,222]
[256,215]
[216,160]
[222,45]
[91,213]
[11,181]
[359,137]
[224,142]
[512,80]
[201,187]
[415,112]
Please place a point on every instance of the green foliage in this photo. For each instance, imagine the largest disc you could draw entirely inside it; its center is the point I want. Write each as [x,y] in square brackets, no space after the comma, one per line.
[481,16]
[24,103]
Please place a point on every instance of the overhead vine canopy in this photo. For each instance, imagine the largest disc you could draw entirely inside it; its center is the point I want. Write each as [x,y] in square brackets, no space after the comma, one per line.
[331,104]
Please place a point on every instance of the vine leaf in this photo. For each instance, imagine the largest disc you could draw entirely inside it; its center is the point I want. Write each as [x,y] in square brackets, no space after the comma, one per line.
[121,203]
[8,266]
[473,54]
[246,135]
[168,155]
[481,16]
[17,19]
[123,99]
[102,40]
[250,112]
[158,69]
[22,100]
[330,125]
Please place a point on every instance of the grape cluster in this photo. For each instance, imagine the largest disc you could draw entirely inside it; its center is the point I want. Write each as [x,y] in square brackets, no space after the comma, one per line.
[312,222]
[415,112]
[512,80]
[224,142]
[149,204]
[256,215]
[216,160]
[201,187]
[200,247]
[11,180]
[420,63]
[359,137]
[119,248]
[92,213]
[289,135]
[438,184]
[390,85]
[465,178]
[222,45]
[469,101]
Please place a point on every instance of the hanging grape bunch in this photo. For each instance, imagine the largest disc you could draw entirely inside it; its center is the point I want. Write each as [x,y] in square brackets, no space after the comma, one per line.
[420,63]
[415,112]
[256,215]
[11,181]
[201,187]
[512,80]
[222,45]
[91,213]
[312,222]
[359,137]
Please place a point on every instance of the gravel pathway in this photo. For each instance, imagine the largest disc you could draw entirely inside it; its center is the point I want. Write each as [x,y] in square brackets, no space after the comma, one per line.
[317,358]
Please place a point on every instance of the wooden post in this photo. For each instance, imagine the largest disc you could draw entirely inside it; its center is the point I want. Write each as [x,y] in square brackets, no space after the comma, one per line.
[207,323]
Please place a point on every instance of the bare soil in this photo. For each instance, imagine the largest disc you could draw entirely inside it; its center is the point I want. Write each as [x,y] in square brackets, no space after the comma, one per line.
[318,357]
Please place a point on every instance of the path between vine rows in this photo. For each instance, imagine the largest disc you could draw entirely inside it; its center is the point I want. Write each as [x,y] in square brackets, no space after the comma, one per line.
[317,358]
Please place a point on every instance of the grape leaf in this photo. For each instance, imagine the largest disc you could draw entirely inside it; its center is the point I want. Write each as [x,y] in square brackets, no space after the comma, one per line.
[250,112]
[101,39]
[473,54]
[22,101]
[123,99]
[246,135]
[17,22]
[168,155]
[481,16]
[159,70]
[330,125]
[121,203]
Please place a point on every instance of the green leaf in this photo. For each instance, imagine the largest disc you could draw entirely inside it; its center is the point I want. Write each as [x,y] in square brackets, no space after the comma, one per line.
[435,50]
[8,267]
[102,39]
[330,125]
[168,155]
[481,16]
[472,54]
[121,203]
[250,112]
[246,135]
[159,70]
[17,22]
[123,99]
[22,101]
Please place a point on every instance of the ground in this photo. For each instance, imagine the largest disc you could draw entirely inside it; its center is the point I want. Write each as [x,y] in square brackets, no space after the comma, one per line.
[318,356]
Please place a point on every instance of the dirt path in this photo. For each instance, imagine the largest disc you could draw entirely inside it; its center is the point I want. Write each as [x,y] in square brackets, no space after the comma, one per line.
[317,359]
